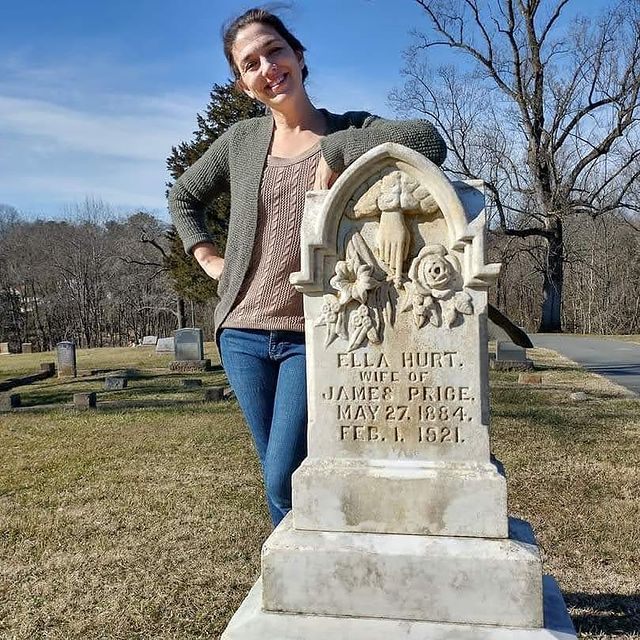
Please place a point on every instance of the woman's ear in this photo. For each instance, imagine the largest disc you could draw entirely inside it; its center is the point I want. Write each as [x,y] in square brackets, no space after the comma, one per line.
[300,55]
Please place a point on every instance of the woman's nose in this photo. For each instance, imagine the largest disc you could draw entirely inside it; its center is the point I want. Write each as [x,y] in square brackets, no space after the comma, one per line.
[266,65]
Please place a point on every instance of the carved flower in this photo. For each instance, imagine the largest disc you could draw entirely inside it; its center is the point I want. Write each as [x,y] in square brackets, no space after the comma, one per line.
[361,328]
[433,271]
[352,283]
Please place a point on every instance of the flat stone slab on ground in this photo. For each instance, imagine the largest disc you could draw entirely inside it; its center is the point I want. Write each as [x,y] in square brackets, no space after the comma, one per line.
[115,383]
[185,366]
[191,383]
[579,396]
[530,378]
[251,622]
[511,365]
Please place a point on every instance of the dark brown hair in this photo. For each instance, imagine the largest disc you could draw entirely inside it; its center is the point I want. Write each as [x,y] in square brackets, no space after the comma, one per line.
[261,16]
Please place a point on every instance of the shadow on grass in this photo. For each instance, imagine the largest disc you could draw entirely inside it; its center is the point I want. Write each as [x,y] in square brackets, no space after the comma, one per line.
[609,614]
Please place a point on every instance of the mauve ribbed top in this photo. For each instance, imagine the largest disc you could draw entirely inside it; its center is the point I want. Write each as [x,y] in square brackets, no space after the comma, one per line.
[267,300]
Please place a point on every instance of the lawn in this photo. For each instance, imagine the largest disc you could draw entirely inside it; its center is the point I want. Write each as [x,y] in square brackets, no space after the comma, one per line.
[147,522]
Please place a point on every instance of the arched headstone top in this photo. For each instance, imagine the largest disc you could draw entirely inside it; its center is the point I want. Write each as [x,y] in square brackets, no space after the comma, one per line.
[393,215]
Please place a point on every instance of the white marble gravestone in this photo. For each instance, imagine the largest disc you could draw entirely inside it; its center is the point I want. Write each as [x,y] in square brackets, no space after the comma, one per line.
[399,526]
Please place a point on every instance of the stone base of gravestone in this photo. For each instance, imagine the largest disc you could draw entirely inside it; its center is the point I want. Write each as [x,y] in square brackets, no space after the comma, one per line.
[48,367]
[419,499]
[510,365]
[191,383]
[115,383]
[228,393]
[252,622]
[10,401]
[186,366]
[214,394]
[84,400]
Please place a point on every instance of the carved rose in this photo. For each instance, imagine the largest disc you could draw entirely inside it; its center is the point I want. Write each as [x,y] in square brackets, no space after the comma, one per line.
[430,293]
[433,272]
[352,283]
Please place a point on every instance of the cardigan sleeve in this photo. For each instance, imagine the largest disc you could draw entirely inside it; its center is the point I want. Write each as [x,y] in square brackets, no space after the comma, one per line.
[194,190]
[366,131]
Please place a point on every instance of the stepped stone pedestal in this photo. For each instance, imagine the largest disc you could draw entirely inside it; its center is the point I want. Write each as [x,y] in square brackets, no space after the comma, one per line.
[399,526]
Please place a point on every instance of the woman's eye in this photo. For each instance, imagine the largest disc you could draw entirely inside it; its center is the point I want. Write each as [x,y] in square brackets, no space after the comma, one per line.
[249,66]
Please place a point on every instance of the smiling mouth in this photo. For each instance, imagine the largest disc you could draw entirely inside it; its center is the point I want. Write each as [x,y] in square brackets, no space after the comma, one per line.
[277,82]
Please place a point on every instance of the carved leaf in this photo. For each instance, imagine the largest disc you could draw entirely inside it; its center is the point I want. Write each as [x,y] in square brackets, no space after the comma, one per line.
[435,318]
[464,303]
[357,338]
[407,300]
[331,333]
[449,313]
[341,325]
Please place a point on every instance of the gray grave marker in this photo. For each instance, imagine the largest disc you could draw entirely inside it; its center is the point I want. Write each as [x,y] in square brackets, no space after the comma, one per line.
[9,401]
[85,400]
[149,341]
[4,348]
[189,344]
[115,383]
[27,347]
[66,355]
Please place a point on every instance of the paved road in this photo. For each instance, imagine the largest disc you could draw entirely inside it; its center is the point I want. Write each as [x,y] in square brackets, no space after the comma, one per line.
[615,359]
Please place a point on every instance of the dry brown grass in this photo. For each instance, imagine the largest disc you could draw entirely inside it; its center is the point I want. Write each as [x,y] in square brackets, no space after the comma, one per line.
[147,523]
[573,471]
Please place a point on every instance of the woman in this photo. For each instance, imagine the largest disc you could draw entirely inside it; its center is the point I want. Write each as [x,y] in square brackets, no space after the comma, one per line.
[268,164]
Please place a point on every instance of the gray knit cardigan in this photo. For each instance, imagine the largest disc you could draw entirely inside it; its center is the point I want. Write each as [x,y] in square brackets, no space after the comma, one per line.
[235,162]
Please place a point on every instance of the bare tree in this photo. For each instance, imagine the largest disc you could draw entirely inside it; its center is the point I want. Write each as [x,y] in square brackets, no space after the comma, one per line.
[542,107]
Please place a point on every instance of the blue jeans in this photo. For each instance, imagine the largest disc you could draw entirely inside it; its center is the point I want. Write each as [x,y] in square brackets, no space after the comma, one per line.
[267,372]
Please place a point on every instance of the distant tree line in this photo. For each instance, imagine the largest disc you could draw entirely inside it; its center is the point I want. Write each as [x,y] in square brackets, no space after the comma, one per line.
[93,279]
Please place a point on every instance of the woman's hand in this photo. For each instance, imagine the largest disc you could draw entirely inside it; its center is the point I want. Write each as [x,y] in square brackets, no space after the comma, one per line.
[393,242]
[325,176]
[209,259]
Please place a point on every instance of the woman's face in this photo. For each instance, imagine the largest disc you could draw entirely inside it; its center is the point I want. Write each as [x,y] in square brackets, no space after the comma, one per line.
[270,70]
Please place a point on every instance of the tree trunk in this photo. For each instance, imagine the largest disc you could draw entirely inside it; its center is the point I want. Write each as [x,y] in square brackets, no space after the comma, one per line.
[553,279]
[181,314]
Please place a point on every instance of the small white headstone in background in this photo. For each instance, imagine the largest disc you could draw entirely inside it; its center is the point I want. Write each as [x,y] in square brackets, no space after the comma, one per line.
[165,345]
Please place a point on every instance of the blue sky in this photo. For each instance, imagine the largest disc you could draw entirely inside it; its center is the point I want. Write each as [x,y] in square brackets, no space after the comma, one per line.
[93,94]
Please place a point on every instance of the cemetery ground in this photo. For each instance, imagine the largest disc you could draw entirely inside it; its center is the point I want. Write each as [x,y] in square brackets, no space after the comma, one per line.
[144,519]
